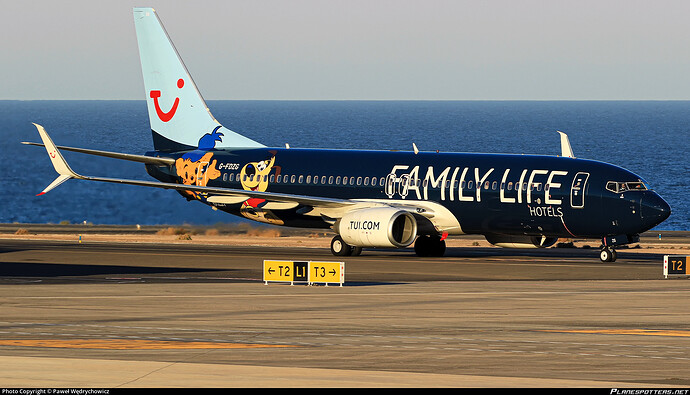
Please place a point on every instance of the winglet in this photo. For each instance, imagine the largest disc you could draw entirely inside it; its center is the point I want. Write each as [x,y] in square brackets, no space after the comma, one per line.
[59,163]
[566,149]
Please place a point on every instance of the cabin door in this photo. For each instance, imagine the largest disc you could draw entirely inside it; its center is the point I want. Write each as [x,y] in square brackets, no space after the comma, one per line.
[577,191]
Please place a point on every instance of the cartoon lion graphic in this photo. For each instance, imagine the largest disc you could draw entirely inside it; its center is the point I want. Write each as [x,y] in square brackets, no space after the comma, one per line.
[197,167]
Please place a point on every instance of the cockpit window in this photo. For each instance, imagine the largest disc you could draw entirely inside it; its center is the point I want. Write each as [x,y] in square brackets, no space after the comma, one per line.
[618,187]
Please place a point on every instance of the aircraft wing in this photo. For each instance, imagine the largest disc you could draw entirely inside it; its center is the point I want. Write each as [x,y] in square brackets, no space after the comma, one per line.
[66,173]
[329,209]
[116,155]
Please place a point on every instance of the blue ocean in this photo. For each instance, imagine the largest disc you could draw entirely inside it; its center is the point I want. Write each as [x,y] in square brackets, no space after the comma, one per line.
[650,138]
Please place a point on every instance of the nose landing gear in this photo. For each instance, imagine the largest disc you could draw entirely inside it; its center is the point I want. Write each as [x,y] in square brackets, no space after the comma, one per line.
[607,254]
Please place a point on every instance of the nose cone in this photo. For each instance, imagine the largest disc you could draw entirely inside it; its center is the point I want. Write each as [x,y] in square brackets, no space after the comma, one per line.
[654,210]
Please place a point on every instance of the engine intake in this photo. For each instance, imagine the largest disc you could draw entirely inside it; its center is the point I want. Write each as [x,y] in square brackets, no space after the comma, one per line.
[507,241]
[378,227]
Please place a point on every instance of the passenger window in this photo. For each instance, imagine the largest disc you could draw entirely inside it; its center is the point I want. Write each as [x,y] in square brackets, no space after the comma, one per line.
[359,180]
[292,179]
[366,181]
[337,180]
[308,179]
[494,185]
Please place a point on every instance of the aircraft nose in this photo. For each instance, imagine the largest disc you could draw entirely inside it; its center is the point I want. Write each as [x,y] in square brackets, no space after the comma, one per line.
[654,209]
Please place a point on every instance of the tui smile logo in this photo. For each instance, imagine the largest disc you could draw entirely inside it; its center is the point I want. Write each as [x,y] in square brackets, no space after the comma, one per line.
[163,115]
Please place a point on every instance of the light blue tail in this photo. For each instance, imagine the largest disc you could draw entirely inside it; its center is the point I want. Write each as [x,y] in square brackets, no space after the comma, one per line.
[179,117]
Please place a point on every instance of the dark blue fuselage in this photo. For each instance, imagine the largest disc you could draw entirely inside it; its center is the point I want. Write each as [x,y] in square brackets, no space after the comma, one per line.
[486,193]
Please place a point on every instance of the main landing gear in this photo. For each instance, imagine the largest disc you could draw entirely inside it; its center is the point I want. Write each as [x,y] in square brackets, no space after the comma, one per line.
[340,248]
[429,246]
[425,246]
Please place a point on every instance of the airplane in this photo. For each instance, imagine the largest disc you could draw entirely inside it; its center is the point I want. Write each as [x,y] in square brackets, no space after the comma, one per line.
[371,199]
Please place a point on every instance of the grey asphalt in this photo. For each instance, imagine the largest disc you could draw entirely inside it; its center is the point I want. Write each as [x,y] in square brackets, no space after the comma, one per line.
[157,315]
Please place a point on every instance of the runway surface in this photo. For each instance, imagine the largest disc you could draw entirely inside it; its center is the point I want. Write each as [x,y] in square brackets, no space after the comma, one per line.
[162,315]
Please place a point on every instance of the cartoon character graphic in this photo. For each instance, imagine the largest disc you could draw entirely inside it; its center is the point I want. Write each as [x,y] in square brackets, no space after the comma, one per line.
[195,167]
[254,177]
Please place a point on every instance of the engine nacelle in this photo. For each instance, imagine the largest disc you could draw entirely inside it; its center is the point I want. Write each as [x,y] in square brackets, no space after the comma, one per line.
[378,227]
[521,241]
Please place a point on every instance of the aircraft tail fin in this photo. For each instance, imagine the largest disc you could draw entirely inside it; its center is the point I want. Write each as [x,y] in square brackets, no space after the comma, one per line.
[179,117]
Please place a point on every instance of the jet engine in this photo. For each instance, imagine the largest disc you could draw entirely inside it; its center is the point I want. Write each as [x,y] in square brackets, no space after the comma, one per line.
[507,241]
[378,227]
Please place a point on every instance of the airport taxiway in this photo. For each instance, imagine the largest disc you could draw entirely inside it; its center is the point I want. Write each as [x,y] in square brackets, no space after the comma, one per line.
[175,314]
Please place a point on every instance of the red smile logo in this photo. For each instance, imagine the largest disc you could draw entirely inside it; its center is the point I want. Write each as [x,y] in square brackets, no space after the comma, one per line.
[163,115]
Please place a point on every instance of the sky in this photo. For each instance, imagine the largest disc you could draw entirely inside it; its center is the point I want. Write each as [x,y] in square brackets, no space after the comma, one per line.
[356,49]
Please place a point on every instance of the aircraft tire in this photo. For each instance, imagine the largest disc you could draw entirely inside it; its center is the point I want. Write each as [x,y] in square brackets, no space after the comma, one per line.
[440,248]
[607,255]
[427,246]
[421,245]
[339,247]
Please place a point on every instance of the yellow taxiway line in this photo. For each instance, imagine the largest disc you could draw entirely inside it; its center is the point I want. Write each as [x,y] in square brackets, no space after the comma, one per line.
[125,344]
[643,332]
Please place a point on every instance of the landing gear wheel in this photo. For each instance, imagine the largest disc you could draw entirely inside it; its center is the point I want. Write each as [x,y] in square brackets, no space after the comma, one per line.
[429,246]
[607,255]
[340,248]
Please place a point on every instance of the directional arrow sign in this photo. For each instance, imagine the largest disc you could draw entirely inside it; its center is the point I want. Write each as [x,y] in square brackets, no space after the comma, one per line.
[279,271]
[327,272]
[306,272]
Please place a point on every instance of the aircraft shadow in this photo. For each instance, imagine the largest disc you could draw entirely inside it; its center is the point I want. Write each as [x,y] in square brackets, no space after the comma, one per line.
[546,253]
[23,269]
[483,252]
